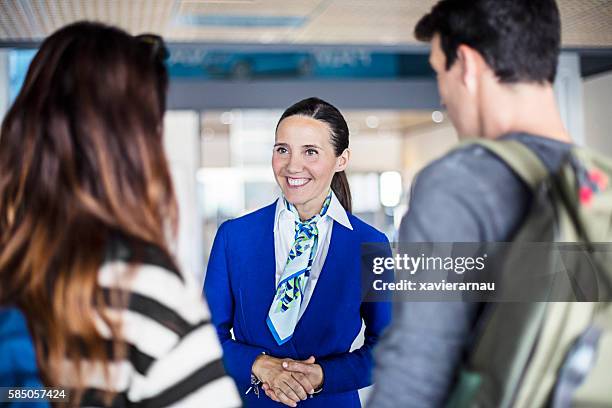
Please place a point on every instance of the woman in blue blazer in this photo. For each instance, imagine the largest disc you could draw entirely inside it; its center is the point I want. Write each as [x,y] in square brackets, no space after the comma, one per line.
[286,279]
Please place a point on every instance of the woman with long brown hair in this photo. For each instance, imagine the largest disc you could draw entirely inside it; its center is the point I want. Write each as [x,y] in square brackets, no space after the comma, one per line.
[87,218]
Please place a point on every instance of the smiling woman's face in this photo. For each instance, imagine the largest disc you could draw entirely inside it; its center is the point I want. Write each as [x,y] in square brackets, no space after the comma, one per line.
[304,162]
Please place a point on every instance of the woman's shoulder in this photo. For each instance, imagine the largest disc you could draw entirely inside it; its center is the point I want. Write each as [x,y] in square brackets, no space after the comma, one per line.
[366,231]
[130,250]
[165,321]
[260,216]
[153,295]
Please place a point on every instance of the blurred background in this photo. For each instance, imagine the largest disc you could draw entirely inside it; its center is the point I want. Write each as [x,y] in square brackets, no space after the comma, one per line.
[237,64]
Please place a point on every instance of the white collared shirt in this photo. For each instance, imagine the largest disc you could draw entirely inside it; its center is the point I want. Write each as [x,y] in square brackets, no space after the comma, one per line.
[284,234]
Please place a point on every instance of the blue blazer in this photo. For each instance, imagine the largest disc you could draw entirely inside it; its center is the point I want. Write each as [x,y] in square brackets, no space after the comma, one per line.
[240,285]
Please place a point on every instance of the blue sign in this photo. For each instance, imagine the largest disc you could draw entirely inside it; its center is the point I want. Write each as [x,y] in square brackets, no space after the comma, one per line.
[339,63]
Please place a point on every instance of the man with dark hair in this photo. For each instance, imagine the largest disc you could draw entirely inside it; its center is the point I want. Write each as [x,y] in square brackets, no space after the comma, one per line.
[495,62]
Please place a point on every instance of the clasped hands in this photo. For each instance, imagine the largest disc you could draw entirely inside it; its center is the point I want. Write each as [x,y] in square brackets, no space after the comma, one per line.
[286,380]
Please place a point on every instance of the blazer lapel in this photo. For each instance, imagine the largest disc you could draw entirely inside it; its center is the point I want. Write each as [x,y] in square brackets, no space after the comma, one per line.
[261,272]
[329,280]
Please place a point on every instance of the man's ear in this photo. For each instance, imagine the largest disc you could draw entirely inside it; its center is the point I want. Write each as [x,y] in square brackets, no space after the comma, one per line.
[472,66]
[342,160]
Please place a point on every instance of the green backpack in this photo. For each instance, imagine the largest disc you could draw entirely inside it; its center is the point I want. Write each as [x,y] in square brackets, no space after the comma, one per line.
[558,354]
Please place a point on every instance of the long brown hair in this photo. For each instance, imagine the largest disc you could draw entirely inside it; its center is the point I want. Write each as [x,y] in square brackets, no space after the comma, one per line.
[339,136]
[81,157]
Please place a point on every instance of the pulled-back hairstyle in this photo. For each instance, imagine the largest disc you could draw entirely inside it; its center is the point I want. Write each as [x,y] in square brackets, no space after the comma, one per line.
[81,159]
[339,137]
[519,39]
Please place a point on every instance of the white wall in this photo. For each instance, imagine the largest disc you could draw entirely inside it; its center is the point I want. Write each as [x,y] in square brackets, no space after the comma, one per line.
[569,94]
[182,144]
[375,152]
[425,145]
[598,113]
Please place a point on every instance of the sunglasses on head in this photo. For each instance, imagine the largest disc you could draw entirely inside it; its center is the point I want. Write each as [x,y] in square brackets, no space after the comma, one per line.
[156,46]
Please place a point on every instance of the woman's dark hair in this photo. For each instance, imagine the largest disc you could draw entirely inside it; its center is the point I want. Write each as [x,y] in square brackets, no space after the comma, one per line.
[81,158]
[155,47]
[339,136]
[519,39]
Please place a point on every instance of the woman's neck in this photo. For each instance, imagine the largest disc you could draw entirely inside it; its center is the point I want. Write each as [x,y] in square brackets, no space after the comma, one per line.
[311,208]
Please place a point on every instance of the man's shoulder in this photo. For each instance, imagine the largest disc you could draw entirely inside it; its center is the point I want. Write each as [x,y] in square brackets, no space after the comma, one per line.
[475,162]
[470,193]
[470,165]
[475,159]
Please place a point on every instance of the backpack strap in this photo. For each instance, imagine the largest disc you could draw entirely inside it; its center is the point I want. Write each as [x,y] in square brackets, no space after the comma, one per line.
[524,162]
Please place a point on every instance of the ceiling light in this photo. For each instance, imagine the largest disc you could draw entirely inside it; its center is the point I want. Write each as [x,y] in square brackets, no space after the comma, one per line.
[372,122]
[437,116]
[267,38]
[388,40]
[227,118]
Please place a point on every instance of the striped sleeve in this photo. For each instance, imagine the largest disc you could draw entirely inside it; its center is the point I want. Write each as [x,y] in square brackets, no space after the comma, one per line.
[174,356]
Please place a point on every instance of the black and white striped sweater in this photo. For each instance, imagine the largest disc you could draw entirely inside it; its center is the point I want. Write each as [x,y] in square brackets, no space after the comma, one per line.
[173,354]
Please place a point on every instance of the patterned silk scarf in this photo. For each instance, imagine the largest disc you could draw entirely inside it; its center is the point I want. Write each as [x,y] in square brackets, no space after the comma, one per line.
[285,309]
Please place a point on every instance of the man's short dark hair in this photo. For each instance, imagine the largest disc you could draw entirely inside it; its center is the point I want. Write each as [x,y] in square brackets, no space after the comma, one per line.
[519,39]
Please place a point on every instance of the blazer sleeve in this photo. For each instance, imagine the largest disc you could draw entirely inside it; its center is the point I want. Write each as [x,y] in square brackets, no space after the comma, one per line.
[353,370]
[238,357]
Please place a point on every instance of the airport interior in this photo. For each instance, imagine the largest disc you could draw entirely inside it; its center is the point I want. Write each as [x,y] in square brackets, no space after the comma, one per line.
[235,65]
